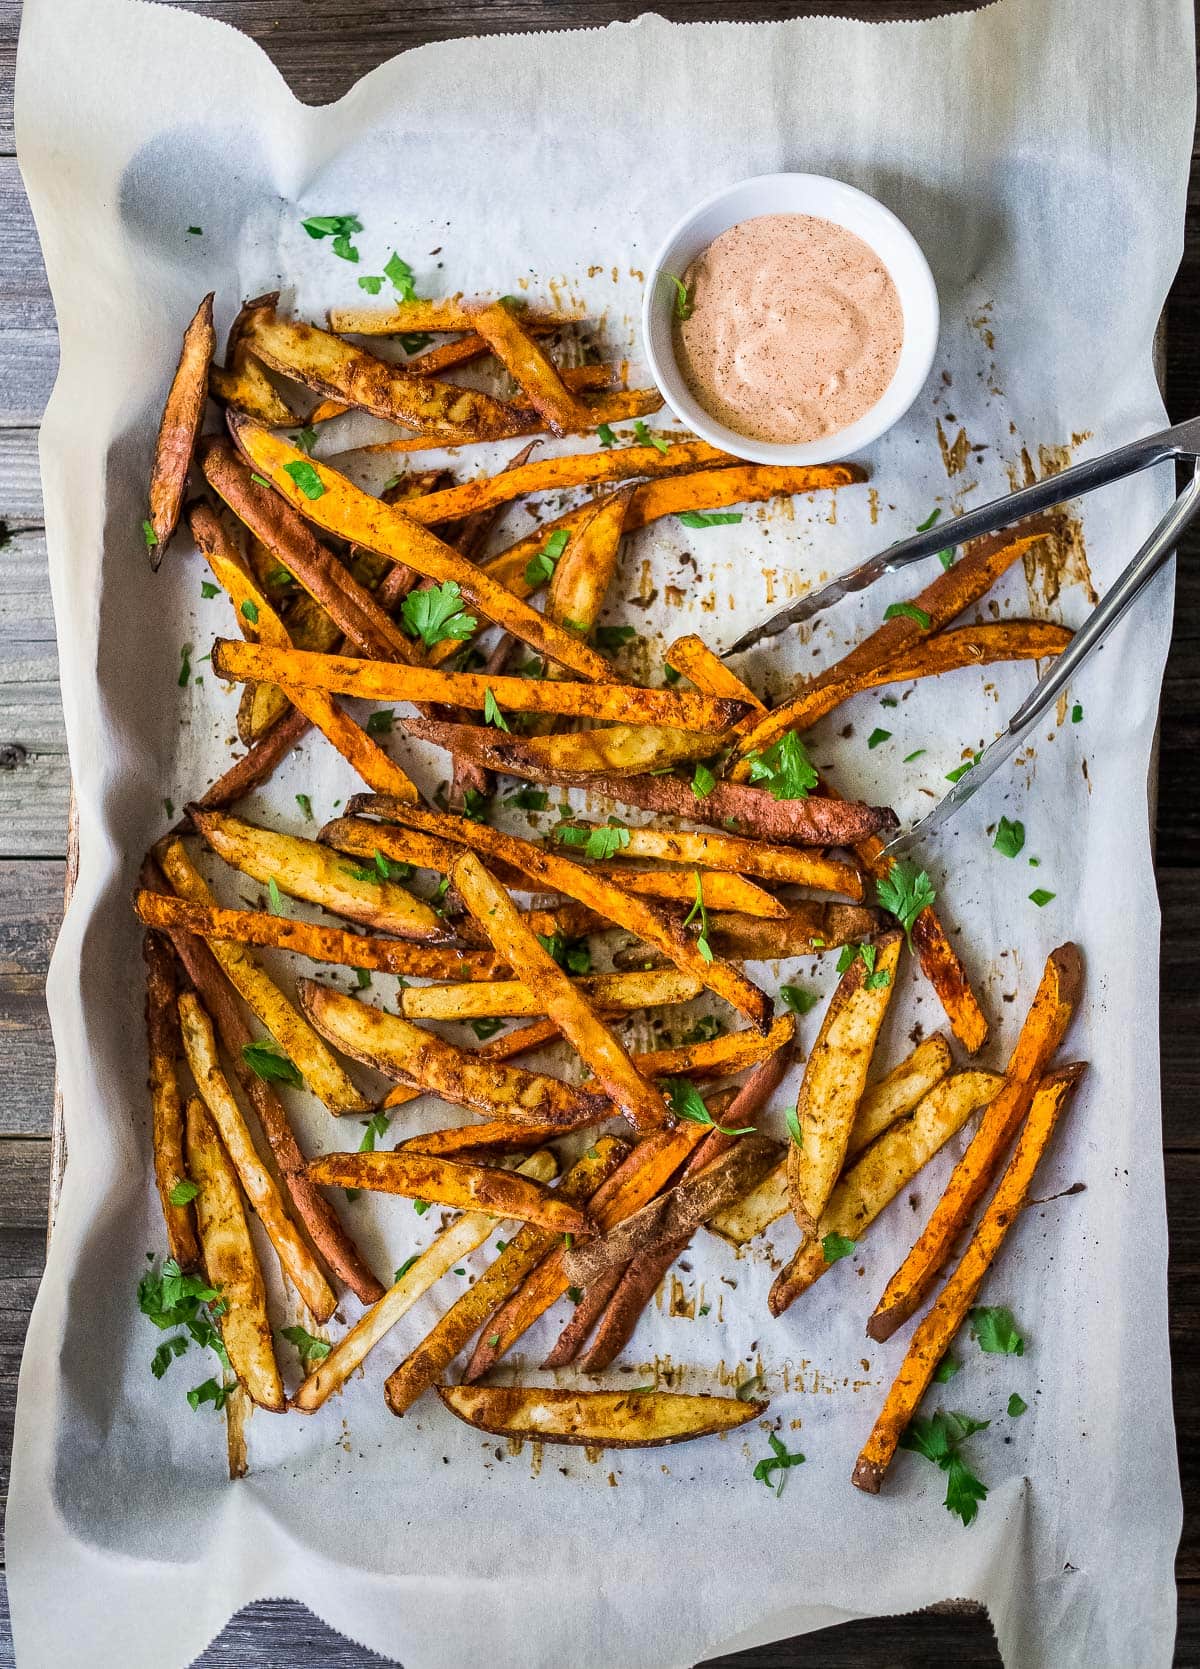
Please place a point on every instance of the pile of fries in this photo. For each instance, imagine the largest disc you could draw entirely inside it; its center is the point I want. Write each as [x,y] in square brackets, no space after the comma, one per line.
[599,1178]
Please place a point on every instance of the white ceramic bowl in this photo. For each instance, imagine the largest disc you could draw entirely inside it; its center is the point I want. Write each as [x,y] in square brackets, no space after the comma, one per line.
[829,199]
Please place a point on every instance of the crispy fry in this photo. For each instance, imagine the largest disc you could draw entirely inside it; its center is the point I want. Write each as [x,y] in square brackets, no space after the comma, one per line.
[355,835]
[576,757]
[835,1077]
[243,383]
[621,908]
[454,1243]
[230,1262]
[558,996]
[260,1188]
[286,1025]
[306,869]
[446,313]
[879,1174]
[401,1050]
[810,927]
[181,419]
[517,1042]
[739,857]
[692,657]
[899,1091]
[451,1182]
[512,998]
[596,1419]
[1045,1026]
[314,940]
[162,1047]
[936,1332]
[616,407]
[980,645]
[529,365]
[437,1350]
[584,572]
[719,889]
[597,1296]
[493,1135]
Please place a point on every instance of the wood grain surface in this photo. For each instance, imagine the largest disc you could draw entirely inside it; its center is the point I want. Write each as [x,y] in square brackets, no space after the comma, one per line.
[322,47]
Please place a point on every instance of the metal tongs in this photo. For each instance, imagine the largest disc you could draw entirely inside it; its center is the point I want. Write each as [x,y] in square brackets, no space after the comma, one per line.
[1181,442]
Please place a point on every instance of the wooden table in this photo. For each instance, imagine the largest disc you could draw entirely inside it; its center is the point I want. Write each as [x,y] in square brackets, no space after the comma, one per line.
[322,48]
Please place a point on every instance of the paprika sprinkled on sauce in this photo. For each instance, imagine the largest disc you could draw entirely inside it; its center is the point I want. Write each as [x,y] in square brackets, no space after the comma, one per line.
[794,329]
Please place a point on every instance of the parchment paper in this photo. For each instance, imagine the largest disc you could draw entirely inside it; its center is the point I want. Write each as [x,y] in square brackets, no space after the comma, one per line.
[1038,151]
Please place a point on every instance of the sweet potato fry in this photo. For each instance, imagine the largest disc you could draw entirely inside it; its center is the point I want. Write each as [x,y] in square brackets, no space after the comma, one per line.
[719,1057]
[879,1174]
[314,940]
[362,839]
[558,996]
[451,1182]
[584,572]
[899,1091]
[981,645]
[945,597]
[835,1077]
[258,764]
[306,869]
[692,657]
[181,419]
[447,313]
[596,1419]
[404,1051]
[936,1332]
[243,383]
[259,1186]
[809,927]
[739,857]
[1045,1027]
[504,1048]
[437,1350]
[295,1037]
[577,757]
[230,1262]
[513,999]
[615,407]
[619,907]
[529,365]
[454,1243]
[491,1136]
[719,889]
[595,1301]
[162,1047]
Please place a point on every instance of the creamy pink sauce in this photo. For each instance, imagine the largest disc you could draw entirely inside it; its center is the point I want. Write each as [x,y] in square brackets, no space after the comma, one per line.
[795,329]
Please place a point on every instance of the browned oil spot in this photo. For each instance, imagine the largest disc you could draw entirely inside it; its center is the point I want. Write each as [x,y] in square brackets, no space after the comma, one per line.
[515,1445]
[1060,711]
[592,1454]
[536,1451]
[673,596]
[709,603]
[769,576]
[873,505]
[593,270]
[681,1304]
[646,587]
[1058,559]
[612,1480]
[635,272]
[954,452]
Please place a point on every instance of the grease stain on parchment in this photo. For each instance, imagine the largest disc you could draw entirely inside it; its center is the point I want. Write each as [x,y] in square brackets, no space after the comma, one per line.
[1059,559]
[956,452]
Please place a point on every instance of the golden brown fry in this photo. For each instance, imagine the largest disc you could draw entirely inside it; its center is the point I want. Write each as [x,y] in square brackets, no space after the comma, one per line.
[585,570]
[739,857]
[980,645]
[1045,1026]
[516,1042]
[162,1047]
[362,839]
[446,313]
[558,996]
[181,419]
[424,1176]
[692,657]
[596,1419]
[899,1091]
[575,757]
[314,940]
[936,1332]
[619,907]
[230,1262]
[253,984]
[530,367]
[835,1077]
[259,1186]
[243,383]
[512,998]
[616,407]
[402,1050]
[719,889]
[879,1174]
[306,869]
[438,1349]
[260,762]
[719,1056]
[448,1248]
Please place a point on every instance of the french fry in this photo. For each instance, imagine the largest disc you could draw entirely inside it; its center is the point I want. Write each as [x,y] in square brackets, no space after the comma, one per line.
[513,999]
[580,1324]
[362,839]
[585,570]
[306,869]
[979,645]
[692,657]
[451,1182]
[346,510]
[936,1332]
[615,407]
[529,365]
[737,856]
[1045,1027]
[384,681]
[558,996]
[314,940]
[454,1243]
[517,1042]
[162,1048]
[577,757]
[557,873]
[258,763]
[444,314]
[945,597]
[259,1186]
[401,1050]
[181,419]
[899,1091]
[230,1262]
[437,1350]
[809,929]
[596,1419]
[835,1078]
[298,1041]
[243,383]
[879,1174]
[719,890]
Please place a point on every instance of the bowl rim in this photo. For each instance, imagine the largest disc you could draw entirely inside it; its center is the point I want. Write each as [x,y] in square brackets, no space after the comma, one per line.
[895,246]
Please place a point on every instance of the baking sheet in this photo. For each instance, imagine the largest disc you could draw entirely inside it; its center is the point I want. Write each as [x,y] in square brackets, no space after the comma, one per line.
[1039,153]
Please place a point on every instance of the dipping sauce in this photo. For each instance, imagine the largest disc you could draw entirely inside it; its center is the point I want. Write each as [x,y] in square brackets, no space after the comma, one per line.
[795,329]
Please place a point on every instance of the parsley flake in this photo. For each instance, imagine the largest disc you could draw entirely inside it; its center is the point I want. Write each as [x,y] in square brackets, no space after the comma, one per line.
[208,589]
[1041,897]
[784,768]
[878,735]
[792,1119]
[401,275]
[484,1029]
[149,535]
[308,1348]
[644,438]
[797,1000]
[938,1439]
[1077,713]
[1016,1406]
[946,1370]
[709,518]
[779,1460]
[250,610]
[896,611]
[1010,837]
[267,1061]
[436,615]
[613,637]
[541,567]
[686,1102]
[404,1268]
[993,1326]
[931,518]
[835,1246]
[185,666]
[306,478]
[305,804]
[605,436]
[905,891]
[184,1191]
[682,298]
[380,721]
[491,712]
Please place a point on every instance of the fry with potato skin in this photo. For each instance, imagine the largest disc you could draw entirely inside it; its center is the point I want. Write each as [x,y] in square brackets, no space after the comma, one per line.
[259,1187]
[739,857]
[586,569]
[975,645]
[575,756]
[617,406]
[181,419]
[513,999]
[598,1047]
[162,1048]
[530,367]
[503,1048]
[243,383]
[1045,1026]
[260,763]
[450,1182]
[596,1419]
[899,1091]
[230,1262]
[935,1333]
[810,928]
[444,313]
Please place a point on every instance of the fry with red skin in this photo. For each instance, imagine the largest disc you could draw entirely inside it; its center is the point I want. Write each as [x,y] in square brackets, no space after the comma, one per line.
[451,1182]
[1045,1027]
[610,750]
[181,419]
[614,407]
[163,1049]
[936,1332]
[736,856]
[257,765]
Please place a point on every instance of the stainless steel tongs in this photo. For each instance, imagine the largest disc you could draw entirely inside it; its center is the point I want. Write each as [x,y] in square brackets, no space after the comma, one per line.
[1180,442]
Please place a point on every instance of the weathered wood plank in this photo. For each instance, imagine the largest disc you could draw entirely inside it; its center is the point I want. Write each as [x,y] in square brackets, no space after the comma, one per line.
[20,478]
[31,896]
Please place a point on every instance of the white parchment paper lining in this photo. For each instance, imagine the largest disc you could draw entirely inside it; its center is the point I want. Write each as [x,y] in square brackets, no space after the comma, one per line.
[1039,152]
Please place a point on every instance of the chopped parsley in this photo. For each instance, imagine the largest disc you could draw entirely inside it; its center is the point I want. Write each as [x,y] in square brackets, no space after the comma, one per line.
[931,518]
[373,1128]
[960,771]
[1077,713]
[1010,837]
[183,1192]
[797,1000]
[305,439]
[305,804]
[746,1391]
[698,908]
[185,666]
[306,478]
[915,754]
[476,805]
[371,282]
[792,1119]
[600,844]
[308,1348]
[340,227]
[779,1460]
[401,276]
[420,1207]
[484,1029]
[529,799]
[491,712]
[363,978]
[835,1246]
[149,535]
[195,231]
[613,637]
[267,1061]
[541,567]
[686,1102]
[413,341]
[993,1326]
[1041,897]
[878,735]
[946,557]
[380,721]
[905,891]
[250,610]
[939,1439]
[260,480]
[575,1294]
[274,898]
[682,297]
[896,611]
[571,954]
[784,768]
[706,1030]
[436,615]
[211,1391]
[709,518]
[644,438]
[404,1268]
[1016,1406]
[877,978]
[703,782]
[946,1370]
[605,435]
[208,589]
